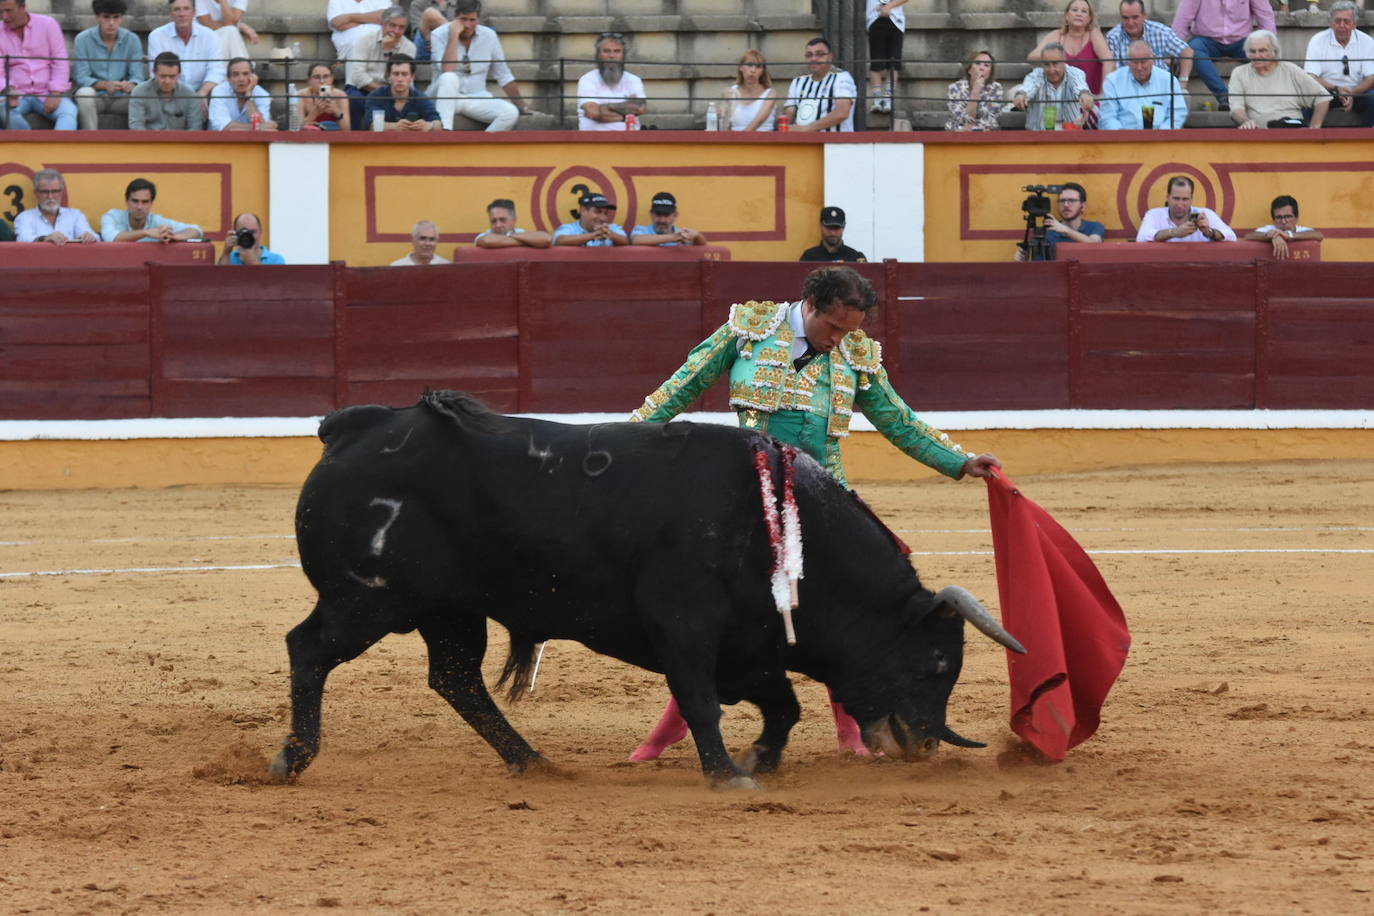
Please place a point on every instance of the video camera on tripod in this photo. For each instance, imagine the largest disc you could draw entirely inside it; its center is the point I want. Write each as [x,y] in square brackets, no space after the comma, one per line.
[1036,208]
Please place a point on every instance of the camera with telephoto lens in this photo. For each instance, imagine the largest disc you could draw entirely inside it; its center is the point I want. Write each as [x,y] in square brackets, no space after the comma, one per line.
[246,238]
[1036,207]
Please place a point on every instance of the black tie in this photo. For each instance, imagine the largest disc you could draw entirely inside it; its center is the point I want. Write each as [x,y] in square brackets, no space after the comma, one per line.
[800,362]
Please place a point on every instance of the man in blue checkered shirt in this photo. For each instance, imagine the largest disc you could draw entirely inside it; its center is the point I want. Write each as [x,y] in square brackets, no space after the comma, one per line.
[1168,47]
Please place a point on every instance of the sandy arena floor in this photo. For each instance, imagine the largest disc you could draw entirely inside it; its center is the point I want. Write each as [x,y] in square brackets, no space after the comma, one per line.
[1232,773]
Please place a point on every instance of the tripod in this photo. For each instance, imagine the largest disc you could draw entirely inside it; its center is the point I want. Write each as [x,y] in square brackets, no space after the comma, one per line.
[1035,245]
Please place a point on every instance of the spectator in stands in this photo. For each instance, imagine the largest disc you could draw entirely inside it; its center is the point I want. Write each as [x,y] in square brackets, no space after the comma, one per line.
[6,230]
[233,104]
[225,19]
[1341,58]
[751,103]
[244,244]
[464,51]
[886,24]
[36,73]
[1218,29]
[594,227]
[1142,87]
[367,62]
[402,107]
[195,46]
[663,228]
[109,64]
[165,102]
[1082,42]
[608,93]
[1054,95]
[1180,221]
[136,221]
[1268,92]
[1171,52]
[976,100]
[832,246]
[1071,226]
[424,238]
[425,17]
[1284,228]
[504,233]
[50,221]
[324,106]
[352,21]
[823,99]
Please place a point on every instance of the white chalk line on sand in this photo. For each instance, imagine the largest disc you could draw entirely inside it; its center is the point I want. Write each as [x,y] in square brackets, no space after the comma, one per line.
[915,553]
[903,531]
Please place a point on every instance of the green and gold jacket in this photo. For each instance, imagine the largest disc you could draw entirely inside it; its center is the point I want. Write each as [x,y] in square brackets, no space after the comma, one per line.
[809,408]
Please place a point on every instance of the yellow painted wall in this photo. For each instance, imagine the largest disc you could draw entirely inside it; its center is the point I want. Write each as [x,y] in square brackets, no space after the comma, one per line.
[974,196]
[379,191]
[202,183]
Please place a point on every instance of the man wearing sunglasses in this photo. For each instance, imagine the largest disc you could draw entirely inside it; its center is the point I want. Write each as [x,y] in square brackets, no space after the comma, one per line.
[1342,60]
[463,53]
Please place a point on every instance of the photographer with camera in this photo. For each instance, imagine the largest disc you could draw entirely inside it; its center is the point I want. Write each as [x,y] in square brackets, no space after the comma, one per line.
[244,244]
[1180,221]
[1069,227]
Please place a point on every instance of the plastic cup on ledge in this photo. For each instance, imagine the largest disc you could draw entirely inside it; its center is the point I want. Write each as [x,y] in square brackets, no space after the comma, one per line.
[1051,116]
[379,120]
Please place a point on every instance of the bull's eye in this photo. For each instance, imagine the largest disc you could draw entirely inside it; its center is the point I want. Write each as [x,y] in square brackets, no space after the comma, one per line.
[941,663]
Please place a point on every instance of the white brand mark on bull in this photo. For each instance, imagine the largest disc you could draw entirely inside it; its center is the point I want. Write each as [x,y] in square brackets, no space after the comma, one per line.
[543,454]
[389,449]
[379,539]
[370,581]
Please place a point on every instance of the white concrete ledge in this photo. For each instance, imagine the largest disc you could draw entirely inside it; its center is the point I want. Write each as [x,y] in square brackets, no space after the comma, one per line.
[285,427]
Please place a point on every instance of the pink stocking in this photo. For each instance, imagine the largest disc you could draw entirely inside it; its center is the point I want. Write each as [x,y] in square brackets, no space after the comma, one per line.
[847,733]
[671,729]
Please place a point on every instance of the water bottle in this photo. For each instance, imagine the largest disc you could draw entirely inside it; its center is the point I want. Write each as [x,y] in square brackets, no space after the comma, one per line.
[296,50]
[293,107]
[712,117]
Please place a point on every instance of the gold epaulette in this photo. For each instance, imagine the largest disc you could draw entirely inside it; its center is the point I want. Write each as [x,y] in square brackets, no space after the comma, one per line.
[756,320]
[863,353]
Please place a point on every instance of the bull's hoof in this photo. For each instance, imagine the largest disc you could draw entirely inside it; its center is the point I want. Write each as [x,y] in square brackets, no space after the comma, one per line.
[290,761]
[536,766]
[741,781]
[757,759]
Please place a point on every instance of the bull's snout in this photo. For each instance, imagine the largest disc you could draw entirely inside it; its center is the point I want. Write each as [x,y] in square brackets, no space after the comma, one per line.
[895,738]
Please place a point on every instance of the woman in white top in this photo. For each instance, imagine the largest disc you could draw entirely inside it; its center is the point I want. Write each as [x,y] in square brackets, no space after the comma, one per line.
[750,103]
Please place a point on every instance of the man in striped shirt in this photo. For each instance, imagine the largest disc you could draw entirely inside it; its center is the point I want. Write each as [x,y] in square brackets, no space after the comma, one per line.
[823,100]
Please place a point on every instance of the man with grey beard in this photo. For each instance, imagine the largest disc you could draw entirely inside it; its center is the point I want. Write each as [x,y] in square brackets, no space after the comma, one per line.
[50,221]
[606,95]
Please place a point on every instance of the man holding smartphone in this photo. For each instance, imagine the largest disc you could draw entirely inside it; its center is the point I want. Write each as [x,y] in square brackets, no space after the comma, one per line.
[1180,221]
[401,107]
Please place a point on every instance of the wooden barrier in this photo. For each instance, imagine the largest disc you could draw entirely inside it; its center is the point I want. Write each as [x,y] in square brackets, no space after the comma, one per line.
[468,254]
[564,336]
[1126,252]
[108,254]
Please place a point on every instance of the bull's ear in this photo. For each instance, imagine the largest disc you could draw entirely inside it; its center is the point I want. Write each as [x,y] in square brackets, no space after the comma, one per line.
[919,606]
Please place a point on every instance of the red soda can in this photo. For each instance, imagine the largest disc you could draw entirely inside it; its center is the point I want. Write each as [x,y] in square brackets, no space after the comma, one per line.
[631,122]
[784,123]
[256,120]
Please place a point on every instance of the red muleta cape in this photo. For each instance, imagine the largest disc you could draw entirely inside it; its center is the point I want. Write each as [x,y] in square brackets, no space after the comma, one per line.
[1057,604]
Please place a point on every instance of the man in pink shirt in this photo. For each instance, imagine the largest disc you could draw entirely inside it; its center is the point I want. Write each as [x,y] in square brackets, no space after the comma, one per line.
[1218,29]
[39,72]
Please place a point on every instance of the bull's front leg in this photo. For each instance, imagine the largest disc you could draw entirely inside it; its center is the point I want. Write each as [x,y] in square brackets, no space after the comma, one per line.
[700,706]
[457,642]
[777,701]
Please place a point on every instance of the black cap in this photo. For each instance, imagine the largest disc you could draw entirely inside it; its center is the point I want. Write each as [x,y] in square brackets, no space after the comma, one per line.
[596,200]
[663,203]
[832,216]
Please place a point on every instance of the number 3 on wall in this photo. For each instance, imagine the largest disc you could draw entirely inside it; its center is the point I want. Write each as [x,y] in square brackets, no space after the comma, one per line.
[16,196]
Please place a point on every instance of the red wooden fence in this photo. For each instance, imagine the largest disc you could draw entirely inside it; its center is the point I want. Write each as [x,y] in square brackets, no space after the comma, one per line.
[168,340]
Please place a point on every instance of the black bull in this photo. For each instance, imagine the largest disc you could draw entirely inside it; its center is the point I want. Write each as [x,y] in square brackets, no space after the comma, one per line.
[644,542]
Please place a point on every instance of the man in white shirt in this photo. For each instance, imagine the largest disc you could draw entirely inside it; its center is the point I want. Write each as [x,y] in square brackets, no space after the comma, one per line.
[504,233]
[202,67]
[1284,228]
[823,100]
[354,20]
[1342,60]
[233,104]
[607,94]
[424,238]
[1180,221]
[463,52]
[225,19]
[50,221]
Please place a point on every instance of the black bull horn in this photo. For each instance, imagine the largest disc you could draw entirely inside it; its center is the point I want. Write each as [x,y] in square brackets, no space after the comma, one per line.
[962,602]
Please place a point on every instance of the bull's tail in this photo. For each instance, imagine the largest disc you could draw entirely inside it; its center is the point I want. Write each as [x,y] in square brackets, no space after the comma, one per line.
[519,667]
